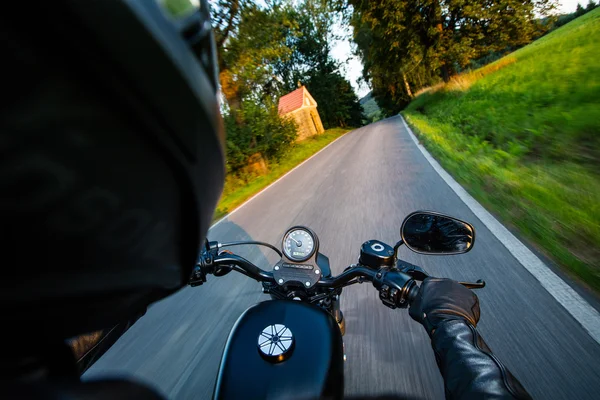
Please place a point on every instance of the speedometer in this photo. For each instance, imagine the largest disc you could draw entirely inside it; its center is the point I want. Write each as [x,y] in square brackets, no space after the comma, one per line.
[299,244]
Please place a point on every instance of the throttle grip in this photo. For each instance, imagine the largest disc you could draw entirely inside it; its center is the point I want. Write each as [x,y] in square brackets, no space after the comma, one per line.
[412,294]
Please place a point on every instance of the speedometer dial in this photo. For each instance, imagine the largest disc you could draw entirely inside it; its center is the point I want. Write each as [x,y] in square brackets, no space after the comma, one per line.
[299,244]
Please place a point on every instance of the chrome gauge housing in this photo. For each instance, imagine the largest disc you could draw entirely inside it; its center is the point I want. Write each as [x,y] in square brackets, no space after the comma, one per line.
[299,244]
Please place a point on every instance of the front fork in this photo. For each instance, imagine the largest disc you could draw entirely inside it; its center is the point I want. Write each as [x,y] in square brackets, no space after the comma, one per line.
[339,318]
[337,314]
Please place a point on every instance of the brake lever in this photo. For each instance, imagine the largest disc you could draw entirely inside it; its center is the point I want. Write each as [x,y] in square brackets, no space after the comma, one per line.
[419,274]
[480,284]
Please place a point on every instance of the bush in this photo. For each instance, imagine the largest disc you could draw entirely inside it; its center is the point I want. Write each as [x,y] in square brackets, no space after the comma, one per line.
[256,128]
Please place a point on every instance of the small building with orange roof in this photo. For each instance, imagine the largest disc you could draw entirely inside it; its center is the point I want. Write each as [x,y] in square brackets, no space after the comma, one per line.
[301,106]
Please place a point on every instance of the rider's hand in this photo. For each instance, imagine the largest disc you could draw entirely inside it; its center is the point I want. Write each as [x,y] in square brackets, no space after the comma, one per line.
[440,300]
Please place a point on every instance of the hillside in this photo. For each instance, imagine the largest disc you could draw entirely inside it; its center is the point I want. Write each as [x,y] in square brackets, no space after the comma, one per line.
[365,99]
[370,108]
[523,136]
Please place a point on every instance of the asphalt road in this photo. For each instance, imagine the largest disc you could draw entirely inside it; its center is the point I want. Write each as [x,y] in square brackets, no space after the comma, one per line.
[360,188]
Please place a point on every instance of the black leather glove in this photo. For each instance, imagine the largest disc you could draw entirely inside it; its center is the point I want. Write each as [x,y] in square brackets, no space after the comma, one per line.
[450,312]
[441,300]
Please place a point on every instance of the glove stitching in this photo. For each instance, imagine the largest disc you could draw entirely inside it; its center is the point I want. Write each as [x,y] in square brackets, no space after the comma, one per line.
[501,366]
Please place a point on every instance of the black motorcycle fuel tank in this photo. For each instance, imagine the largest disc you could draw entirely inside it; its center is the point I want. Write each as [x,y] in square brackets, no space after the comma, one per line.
[310,367]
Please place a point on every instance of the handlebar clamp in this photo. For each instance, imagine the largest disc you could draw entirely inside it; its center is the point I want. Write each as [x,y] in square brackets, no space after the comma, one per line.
[394,287]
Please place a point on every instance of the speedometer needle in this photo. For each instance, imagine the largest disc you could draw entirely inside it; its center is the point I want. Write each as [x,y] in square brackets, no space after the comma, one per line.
[298,243]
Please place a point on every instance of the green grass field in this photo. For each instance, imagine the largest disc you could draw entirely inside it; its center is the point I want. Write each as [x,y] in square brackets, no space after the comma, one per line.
[238,190]
[523,137]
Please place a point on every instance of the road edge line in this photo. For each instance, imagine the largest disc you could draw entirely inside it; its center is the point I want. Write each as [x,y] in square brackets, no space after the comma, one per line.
[586,315]
[278,179]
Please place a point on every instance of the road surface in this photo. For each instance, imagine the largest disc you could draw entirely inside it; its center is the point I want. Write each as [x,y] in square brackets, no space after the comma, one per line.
[360,188]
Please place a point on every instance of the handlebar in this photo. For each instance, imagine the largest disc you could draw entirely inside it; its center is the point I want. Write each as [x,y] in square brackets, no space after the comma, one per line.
[393,285]
[246,267]
[260,275]
[355,271]
[397,286]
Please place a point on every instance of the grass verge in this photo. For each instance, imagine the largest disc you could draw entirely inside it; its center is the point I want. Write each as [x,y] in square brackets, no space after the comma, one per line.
[237,190]
[523,137]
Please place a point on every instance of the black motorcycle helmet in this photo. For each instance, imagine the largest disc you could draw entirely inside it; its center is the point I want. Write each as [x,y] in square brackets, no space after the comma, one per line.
[112,158]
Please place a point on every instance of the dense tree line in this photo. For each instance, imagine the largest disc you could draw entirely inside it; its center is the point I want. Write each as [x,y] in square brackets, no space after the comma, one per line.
[263,52]
[406,45]
[579,11]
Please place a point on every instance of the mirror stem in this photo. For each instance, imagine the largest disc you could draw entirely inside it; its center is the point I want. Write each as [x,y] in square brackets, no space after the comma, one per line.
[396,246]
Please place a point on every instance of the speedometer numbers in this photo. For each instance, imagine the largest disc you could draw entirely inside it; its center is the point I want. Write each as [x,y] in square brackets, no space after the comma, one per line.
[299,266]
[298,244]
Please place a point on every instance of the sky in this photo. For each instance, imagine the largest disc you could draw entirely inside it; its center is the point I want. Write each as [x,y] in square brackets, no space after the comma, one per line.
[342,51]
[568,6]
[352,67]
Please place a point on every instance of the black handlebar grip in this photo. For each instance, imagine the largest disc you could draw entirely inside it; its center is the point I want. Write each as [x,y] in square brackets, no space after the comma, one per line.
[412,293]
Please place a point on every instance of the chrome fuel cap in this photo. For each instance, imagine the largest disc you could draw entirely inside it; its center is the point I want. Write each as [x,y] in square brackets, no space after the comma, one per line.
[276,343]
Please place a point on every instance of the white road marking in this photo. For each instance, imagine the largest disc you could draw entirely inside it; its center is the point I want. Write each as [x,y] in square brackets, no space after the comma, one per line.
[575,305]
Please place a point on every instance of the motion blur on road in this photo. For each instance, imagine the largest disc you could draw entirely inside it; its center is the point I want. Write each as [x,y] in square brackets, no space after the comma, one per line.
[360,188]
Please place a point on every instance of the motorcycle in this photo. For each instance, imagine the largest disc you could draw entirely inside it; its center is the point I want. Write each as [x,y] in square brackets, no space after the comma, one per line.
[291,346]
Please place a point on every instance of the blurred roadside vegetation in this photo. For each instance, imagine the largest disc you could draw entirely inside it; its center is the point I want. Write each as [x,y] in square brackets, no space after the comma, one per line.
[522,135]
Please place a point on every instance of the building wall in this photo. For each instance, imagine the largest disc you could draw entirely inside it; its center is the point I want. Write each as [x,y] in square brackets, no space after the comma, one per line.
[308,120]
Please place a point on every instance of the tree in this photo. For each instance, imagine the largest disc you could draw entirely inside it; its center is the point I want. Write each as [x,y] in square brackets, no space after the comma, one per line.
[590,6]
[311,46]
[403,43]
[225,16]
[312,65]
[250,40]
[395,60]
[263,50]
[338,104]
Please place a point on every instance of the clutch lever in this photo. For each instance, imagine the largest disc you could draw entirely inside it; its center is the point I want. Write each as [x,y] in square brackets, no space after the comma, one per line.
[222,270]
[205,264]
